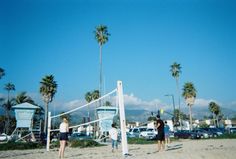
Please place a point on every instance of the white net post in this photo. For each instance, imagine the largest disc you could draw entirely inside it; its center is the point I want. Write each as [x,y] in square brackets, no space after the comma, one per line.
[122,118]
[49,130]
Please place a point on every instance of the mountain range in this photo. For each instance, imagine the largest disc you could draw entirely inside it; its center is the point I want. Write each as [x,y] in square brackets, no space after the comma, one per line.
[141,115]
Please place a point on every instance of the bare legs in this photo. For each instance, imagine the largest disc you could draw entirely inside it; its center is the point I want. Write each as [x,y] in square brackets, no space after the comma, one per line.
[167,139]
[161,145]
[62,148]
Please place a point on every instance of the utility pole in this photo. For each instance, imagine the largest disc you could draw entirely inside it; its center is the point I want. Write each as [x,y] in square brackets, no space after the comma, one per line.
[173,102]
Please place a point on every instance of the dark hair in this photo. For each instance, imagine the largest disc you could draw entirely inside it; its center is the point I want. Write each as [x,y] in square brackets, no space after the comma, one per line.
[113,125]
[158,116]
[165,122]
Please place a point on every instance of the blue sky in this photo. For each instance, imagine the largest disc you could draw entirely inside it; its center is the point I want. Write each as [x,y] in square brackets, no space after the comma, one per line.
[43,37]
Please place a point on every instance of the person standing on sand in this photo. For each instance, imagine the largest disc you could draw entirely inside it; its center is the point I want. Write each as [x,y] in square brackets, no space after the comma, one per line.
[167,133]
[113,134]
[64,130]
[161,134]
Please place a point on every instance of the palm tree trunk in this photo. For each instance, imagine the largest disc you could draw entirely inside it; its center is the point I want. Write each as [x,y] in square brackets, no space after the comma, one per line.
[96,124]
[217,122]
[100,84]
[177,84]
[46,119]
[88,120]
[6,122]
[88,113]
[190,117]
[214,117]
[8,96]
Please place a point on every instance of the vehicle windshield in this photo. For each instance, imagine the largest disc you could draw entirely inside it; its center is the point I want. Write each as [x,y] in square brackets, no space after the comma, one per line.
[142,129]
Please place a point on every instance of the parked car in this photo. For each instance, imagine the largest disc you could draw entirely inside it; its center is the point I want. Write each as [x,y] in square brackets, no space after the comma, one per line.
[232,130]
[186,134]
[129,135]
[221,130]
[171,133]
[137,131]
[150,133]
[79,136]
[215,132]
[203,133]
[3,137]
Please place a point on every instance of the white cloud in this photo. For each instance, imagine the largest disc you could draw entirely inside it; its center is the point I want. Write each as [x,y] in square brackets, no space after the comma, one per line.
[230,105]
[204,102]
[134,102]
[59,106]
[130,101]
[233,103]
[74,104]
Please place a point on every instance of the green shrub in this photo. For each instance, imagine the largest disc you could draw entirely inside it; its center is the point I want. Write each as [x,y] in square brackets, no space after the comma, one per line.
[84,143]
[140,141]
[55,144]
[227,136]
[203,125]
[19,146]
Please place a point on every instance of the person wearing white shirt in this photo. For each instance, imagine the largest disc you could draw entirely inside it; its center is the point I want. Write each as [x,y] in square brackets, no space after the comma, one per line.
[113,134]
[64,129]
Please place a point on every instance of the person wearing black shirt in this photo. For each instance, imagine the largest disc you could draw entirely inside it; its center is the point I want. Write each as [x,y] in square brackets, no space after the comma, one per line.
[161,134]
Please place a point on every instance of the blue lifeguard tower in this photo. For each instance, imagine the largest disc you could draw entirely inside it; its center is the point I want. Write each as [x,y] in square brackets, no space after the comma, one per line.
[107,113]
[24,114]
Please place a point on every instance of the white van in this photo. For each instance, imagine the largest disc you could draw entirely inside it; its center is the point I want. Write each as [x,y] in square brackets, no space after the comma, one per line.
[136,131]
[150,133]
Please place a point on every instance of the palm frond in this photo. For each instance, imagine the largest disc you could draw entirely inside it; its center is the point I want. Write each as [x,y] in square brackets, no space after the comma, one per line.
[175,70]
[101,34]
[2,72]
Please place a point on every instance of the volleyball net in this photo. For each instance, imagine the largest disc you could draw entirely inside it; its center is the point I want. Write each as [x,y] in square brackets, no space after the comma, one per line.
[95,117]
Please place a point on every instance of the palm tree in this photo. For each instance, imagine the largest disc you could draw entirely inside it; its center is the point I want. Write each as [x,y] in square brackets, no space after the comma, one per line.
[22,98]
[175,72]
[88,98]
[48,90]
[217,114]
[215,110]
[108,103]
[9,87]
[39,115]
[95,95]
[189,94]
[2,72]
[67,116]
[178,115]
[7,105]
[101,35]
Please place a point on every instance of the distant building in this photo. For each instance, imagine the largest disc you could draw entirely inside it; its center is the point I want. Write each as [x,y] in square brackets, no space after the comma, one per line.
[228,123]
[208,122]
[151,124]
[132,124]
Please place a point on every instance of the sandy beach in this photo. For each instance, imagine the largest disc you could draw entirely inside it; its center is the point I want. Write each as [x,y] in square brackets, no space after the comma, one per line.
[183,149]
